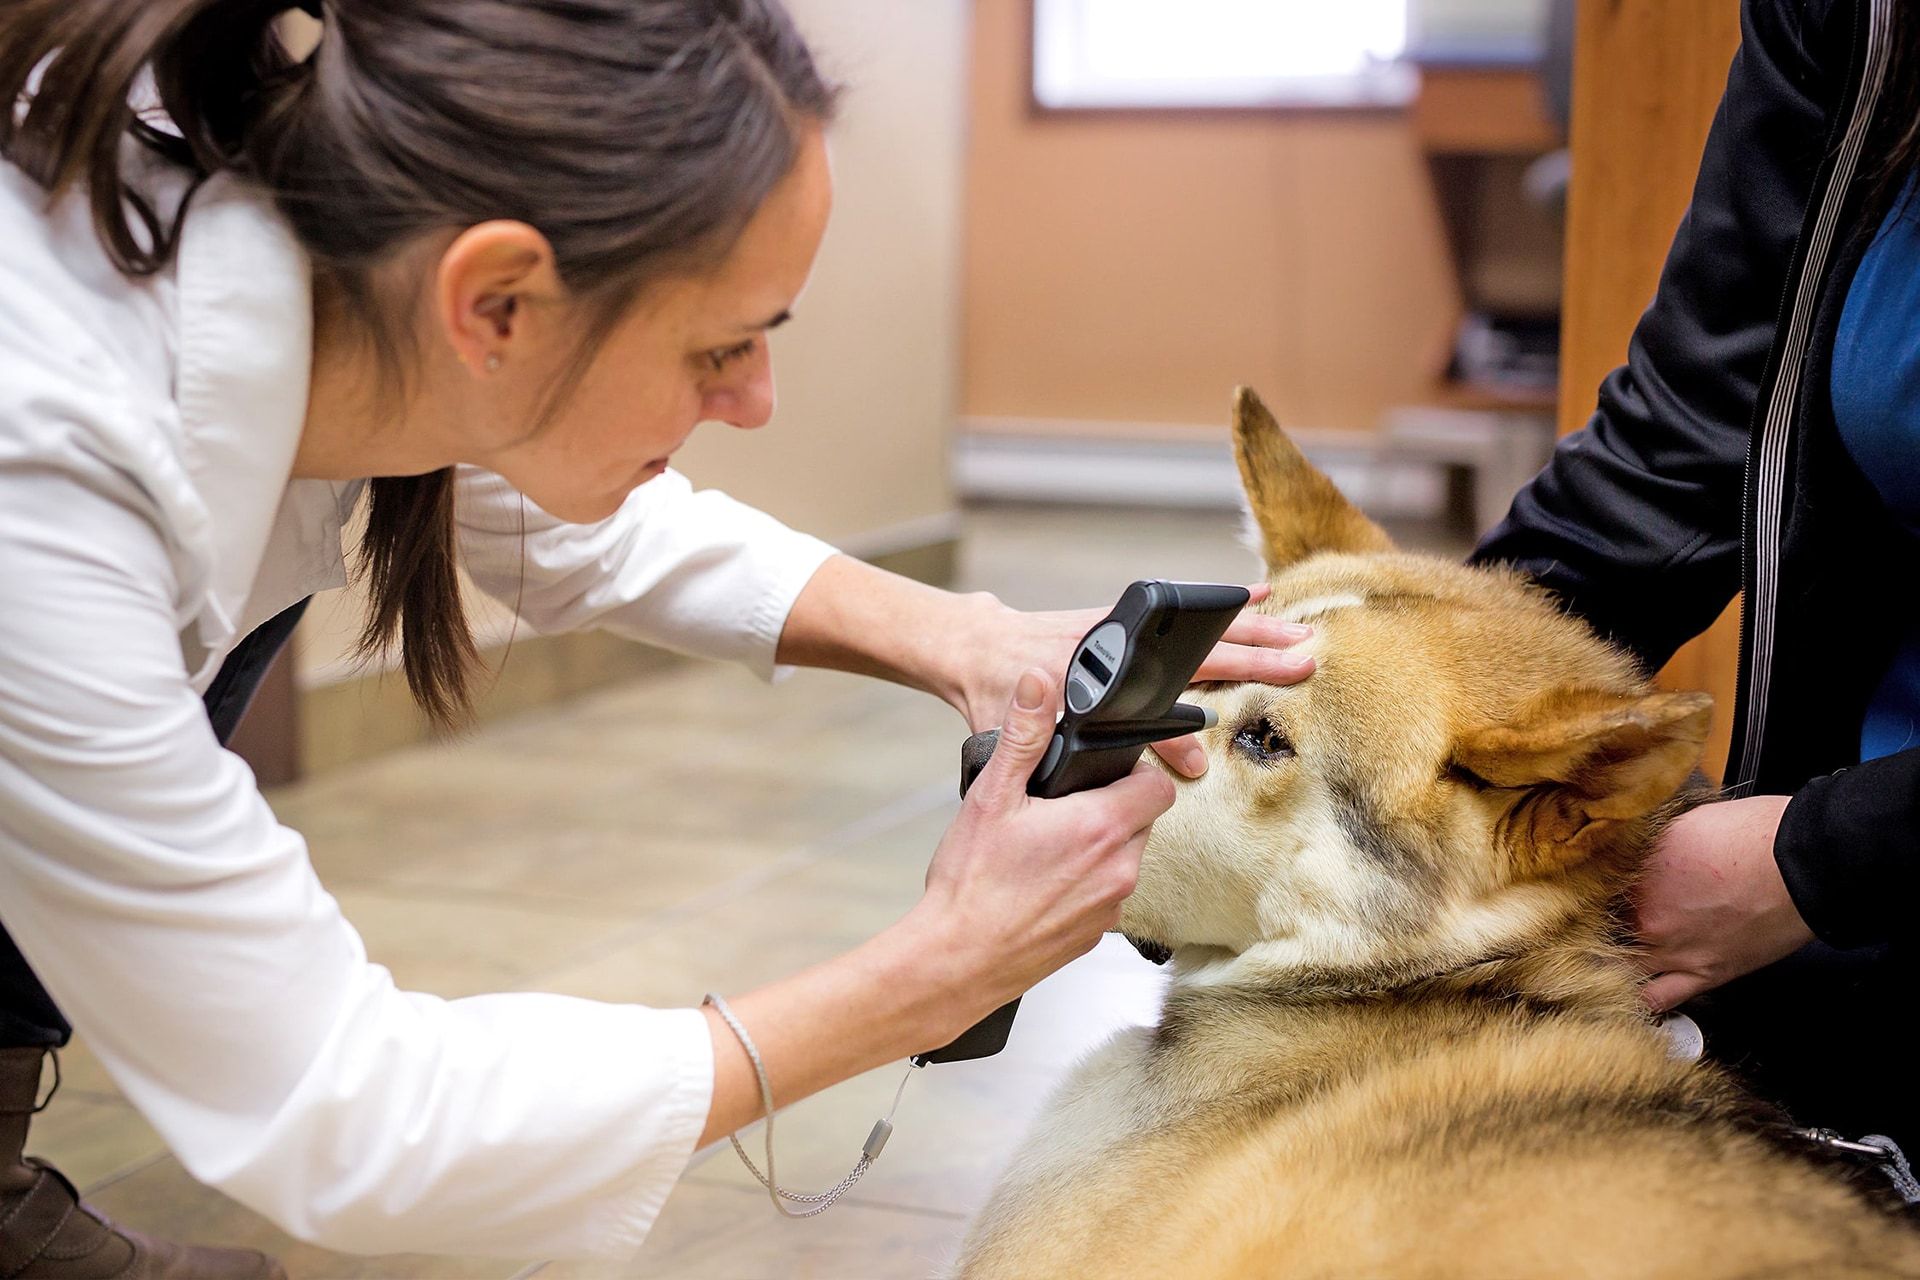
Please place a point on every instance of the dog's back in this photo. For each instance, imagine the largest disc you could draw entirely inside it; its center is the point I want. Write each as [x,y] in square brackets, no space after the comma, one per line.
[1431,1140]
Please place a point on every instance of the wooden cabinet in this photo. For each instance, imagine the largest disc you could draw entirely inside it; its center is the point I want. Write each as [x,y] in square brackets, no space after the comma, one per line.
[1479,128]
[1647,77]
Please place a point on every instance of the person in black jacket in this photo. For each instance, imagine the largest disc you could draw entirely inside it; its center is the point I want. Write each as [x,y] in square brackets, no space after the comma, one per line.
[1780,916]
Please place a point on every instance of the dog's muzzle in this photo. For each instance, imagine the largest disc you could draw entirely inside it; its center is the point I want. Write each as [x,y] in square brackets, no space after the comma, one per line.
[1157,952]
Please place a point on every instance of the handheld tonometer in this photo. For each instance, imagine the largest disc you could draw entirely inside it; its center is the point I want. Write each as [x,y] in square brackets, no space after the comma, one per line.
[1122,690]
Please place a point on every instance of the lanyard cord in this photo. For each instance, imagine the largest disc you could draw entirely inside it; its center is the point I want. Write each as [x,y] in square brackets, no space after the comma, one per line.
[869,1152]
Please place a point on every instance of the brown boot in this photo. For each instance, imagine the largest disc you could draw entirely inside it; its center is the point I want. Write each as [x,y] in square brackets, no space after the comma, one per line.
[47,1234]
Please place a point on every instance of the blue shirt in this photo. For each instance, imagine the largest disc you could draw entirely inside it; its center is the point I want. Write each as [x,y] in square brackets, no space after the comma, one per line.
[1876,404]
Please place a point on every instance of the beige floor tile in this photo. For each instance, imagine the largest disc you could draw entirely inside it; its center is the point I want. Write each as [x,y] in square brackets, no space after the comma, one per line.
[724,1233]
[747,775]
[833,898]
[592,866]
[1064,558]
[80,1071]
[460,948]
[163,1200]
[92,1138]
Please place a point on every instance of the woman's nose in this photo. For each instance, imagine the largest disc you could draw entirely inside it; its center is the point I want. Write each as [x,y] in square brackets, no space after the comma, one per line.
[746,403]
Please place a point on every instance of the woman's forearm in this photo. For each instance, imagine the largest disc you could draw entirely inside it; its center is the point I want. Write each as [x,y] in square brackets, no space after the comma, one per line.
[854,617]
[897,994]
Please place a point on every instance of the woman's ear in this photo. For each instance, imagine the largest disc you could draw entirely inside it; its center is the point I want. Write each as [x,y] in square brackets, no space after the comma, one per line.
[484,279]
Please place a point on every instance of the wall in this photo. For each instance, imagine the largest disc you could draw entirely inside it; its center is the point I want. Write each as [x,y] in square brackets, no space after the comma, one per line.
[867,369]
[1135,267]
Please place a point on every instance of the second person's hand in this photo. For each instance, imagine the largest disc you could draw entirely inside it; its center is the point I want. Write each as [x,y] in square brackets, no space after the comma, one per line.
[1711,904]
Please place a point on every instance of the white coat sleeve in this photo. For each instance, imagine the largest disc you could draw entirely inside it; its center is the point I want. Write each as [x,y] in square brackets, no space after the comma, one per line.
[184,933]
[698,573]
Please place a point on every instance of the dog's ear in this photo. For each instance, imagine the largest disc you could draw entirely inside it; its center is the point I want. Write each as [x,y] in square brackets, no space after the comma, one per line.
[1297,508]
[1586,761]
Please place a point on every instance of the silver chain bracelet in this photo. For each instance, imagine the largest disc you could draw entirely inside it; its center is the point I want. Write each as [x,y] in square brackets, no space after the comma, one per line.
[869,1152]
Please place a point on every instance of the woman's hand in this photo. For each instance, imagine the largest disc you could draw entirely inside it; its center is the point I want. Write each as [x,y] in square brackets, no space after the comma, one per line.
[1019,886]
[1254,648]
[1711,904]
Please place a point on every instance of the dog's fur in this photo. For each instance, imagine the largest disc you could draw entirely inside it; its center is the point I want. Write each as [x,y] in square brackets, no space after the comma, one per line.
[1402,1037]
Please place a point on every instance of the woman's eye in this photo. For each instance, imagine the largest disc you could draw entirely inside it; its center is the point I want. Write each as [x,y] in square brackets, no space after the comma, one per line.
[727,355]
[1263,740]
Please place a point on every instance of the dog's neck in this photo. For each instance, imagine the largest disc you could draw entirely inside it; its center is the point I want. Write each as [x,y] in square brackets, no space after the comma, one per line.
[1317,1020]
[1574,965]
[1550,940]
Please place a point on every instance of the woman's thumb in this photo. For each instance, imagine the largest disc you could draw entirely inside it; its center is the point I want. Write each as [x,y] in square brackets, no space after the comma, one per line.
[1024,736]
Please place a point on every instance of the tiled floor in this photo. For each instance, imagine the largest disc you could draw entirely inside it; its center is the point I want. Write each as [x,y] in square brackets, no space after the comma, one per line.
[697,830]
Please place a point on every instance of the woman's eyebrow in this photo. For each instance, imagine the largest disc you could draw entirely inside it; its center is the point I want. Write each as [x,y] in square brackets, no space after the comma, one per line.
[774,323]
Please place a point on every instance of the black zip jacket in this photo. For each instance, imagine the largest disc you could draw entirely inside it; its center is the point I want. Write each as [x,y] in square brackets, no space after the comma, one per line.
[1712,463]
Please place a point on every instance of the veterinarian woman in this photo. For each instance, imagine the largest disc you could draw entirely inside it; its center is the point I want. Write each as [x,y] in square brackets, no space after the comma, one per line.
[537,243]
[1764,437]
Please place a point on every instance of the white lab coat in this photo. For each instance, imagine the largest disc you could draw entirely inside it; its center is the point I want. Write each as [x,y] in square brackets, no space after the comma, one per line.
[147,523]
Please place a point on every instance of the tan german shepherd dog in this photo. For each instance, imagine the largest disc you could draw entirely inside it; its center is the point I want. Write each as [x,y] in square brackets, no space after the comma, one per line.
[1403,1037]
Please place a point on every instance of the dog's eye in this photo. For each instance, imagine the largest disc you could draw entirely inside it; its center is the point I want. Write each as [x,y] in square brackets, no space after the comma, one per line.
[1262,740]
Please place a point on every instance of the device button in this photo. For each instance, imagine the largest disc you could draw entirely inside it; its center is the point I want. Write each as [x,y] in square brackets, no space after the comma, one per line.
[1080,696]
[1052,757]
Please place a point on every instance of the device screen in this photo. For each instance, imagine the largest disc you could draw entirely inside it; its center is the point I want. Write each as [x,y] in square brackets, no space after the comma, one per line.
[1096,666]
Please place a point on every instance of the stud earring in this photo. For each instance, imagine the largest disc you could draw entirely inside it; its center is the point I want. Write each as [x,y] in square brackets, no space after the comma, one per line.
[493,364]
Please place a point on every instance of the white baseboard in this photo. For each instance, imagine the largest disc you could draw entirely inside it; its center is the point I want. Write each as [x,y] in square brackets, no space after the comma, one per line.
[1150,464]
[908,535]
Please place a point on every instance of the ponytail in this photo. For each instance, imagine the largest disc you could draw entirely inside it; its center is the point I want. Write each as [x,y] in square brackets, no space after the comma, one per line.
[215,63]
[407,557]
[639,136]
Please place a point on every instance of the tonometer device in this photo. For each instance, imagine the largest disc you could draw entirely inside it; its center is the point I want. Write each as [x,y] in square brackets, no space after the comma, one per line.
[1122,689]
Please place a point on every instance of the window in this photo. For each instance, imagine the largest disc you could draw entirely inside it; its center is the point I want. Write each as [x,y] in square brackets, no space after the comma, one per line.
[1220,53]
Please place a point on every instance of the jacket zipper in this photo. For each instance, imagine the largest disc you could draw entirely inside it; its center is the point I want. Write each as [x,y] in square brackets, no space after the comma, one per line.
[1766,468]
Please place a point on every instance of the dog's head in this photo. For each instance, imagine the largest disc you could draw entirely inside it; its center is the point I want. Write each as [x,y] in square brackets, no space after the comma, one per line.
[1467,766]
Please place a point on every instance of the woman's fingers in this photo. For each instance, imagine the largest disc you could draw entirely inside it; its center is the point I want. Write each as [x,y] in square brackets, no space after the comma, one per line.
[1259,628]
[1024,734]
[1141,797]
[1238,663]
[1183,755]
[1255,647]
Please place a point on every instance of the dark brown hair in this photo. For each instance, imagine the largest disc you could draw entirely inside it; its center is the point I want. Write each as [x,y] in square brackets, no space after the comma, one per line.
[1899,135]
[639,136]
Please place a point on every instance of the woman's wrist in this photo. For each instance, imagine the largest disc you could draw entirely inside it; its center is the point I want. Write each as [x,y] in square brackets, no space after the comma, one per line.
[910,988]
[940,984]
[967,675]
[854,617]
